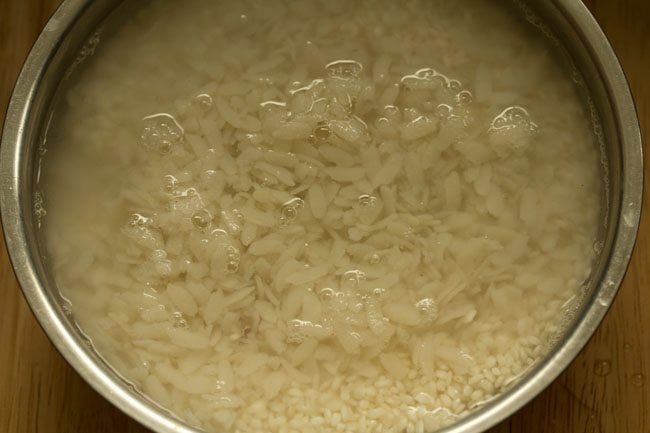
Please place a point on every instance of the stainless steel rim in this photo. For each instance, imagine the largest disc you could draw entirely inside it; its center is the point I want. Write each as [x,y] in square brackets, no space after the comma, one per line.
[15,146]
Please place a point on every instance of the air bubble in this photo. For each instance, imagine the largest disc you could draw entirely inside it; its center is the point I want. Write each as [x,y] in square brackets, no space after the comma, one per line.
[161,132]
[290,210]
[426,73]
[366,200]
[220,235]
[511,118]
[209,176]
[454,85]
[424,78]
[232,267]
[368,208]
[326,294]
[322,132]
[464,98]
[203,101]
[443,111]
[233,253]
[201,219]
[374,259]
[344,69]
[354,277]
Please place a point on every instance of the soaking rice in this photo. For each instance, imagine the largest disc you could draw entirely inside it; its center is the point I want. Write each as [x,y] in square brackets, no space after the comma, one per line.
[321,216]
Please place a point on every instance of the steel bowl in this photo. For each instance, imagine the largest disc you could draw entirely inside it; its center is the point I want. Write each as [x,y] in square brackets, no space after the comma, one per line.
[65,40]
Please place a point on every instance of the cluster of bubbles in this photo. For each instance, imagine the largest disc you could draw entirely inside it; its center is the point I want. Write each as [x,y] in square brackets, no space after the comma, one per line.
[299,330]
[232,220]
[511,130]
[138,220]
[39,209]
[428,78]
[141,230]
[171,183]
[513,118]
[455,100]
[66,306]
[161,132]
[353,312]
[344,69]
[186,202]
[87,50]
[232,259]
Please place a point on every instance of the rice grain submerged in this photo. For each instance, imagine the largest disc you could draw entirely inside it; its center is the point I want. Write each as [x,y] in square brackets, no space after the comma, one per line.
[325,216]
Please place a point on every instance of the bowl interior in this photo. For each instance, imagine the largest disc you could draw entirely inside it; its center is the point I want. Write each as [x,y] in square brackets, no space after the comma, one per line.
[70,37]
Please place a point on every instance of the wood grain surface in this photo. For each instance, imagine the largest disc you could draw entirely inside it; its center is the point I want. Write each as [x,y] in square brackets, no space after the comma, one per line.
[605,390]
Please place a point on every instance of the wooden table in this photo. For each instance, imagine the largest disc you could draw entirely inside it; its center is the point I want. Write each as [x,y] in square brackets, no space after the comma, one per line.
[40,393]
